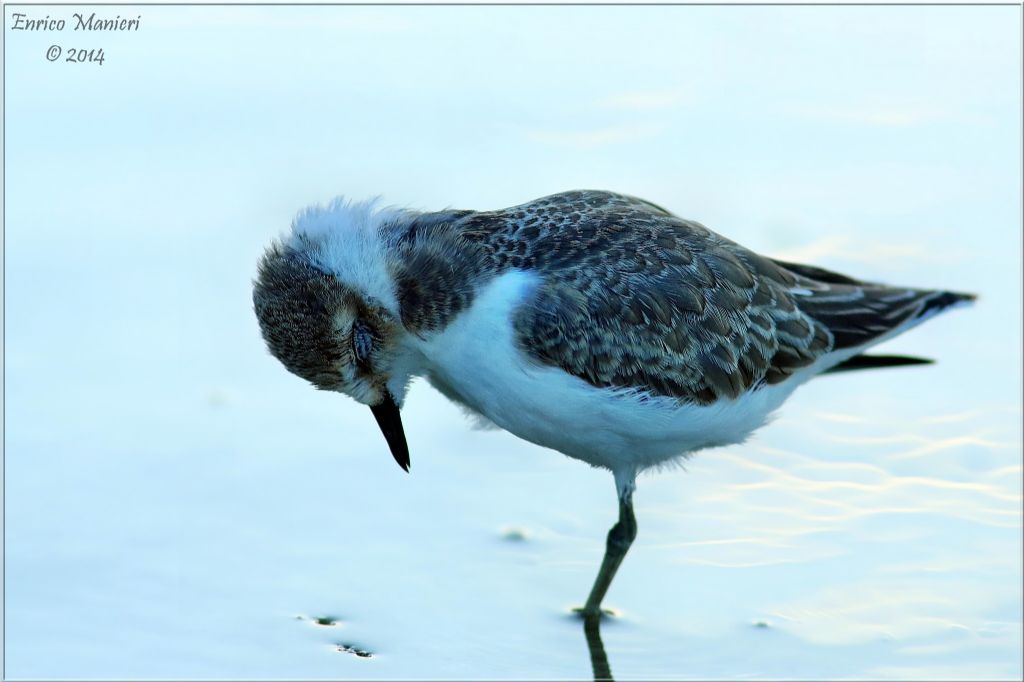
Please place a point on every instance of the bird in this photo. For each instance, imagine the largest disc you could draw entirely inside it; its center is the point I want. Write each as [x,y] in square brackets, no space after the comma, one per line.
[596,324]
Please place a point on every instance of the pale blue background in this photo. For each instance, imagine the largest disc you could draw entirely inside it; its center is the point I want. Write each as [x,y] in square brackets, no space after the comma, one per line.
[175,500]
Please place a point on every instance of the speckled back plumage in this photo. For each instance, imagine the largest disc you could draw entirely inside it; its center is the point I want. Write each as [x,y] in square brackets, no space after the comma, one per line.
[636,298]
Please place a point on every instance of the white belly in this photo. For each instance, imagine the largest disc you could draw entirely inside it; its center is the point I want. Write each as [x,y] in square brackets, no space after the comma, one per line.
[476,362]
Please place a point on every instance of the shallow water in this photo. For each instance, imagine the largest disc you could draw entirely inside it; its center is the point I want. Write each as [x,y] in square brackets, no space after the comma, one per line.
[177,506]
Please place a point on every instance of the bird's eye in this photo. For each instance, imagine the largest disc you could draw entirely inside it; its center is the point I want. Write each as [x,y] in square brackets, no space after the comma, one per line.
[362,342]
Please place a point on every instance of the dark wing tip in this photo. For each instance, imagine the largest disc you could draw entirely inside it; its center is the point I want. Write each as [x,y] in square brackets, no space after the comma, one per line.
[818,274]
[946,299]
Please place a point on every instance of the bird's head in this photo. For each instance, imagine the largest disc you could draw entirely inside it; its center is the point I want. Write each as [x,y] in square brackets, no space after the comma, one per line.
[329,331]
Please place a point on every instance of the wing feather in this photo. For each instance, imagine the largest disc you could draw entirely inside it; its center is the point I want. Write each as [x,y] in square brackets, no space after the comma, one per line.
[636,298]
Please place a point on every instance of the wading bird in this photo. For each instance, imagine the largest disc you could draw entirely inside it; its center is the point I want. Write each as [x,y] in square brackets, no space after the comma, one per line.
[592,323]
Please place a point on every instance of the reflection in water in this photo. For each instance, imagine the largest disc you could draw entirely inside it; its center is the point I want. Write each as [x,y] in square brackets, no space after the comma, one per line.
[598,658]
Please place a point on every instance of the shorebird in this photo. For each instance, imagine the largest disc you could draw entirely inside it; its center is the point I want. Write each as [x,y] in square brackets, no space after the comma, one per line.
[596,324]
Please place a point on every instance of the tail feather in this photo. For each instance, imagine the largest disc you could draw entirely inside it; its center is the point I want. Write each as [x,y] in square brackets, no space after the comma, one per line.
[877,362]
[859,314]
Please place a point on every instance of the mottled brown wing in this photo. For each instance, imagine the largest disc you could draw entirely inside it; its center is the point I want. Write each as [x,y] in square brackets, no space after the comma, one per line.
[636,298]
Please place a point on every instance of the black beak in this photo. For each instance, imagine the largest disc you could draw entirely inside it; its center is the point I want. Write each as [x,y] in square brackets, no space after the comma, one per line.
[390,423]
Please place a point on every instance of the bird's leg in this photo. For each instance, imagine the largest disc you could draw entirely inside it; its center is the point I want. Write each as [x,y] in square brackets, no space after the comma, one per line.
[598,658]
[620,537]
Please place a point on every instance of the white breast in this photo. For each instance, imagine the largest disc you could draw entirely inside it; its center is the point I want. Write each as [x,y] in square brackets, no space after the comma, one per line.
[475,361]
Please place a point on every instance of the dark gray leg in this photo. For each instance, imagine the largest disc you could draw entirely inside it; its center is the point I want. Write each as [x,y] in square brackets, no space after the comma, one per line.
[598,658]
[620,537]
